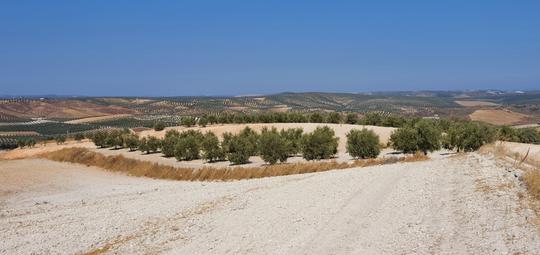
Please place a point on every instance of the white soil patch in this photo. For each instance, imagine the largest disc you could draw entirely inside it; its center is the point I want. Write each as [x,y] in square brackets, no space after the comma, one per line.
[466,204]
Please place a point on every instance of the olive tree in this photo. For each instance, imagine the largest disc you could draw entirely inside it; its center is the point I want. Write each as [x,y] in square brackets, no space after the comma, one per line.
[319,144]
[237,148]
[211,148]
[272,146]
[363,144]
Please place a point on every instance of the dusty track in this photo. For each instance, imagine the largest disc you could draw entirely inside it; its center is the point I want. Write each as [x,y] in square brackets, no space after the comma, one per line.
[463,204]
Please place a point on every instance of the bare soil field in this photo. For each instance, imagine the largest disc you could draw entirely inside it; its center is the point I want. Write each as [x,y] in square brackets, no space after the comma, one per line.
[464,204]
[498,117]
[99,118]
[341,130]
[474,103]
[59,109]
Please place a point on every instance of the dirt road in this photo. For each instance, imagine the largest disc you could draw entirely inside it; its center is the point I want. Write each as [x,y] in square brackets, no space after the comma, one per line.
[466,204]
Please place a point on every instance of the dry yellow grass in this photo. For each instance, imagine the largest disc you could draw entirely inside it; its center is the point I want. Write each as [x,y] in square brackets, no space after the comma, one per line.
[532,180]
[531,177]
[153,170]
[473,103]
[498,117]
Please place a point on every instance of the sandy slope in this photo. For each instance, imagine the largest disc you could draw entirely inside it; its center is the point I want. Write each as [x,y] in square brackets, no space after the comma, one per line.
[457,205]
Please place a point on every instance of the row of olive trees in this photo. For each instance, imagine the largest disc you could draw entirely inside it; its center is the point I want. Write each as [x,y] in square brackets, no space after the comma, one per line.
[427,136]
[270,144]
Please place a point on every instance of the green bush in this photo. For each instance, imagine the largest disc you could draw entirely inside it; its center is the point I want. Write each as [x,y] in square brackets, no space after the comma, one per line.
[405,139]
[60,139]
[469,136]
[211,148]
[187,148]
[363,144]
[528,135]
[424,136]
[203,121]
[149,144]
[372,119]
[252,139]
[352,118]
[131,141]
[78,137]
[98,138]
[334,117]
[320,144]
[168,145]
[237,148]
[114,138]
[507,134]
[293,138]
[316,118]
[272,146]
[429,136]
[159,126]
[143,145]
[188,121]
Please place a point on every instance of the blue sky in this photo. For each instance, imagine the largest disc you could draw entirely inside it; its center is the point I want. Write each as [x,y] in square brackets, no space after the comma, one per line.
[173,48]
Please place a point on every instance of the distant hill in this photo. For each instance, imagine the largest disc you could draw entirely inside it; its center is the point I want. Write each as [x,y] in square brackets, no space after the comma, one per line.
[418,103]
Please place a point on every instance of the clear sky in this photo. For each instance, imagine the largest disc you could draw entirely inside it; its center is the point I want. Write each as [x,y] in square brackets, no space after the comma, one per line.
[228,47]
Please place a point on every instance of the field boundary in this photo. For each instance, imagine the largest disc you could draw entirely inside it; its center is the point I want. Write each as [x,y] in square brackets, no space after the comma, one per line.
[141,168]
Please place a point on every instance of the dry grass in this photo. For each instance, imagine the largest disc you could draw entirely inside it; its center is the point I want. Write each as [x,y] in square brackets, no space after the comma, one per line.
[154,170]
[498,117]
[532,180]
[531,177]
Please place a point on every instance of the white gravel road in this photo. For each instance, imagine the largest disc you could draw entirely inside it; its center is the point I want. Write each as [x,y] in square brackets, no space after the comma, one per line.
[466,204]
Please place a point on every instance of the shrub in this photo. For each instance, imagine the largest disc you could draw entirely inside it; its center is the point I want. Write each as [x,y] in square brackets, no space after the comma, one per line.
[113,139]
[143,145]
[272,146]
[188,121]
[203,121]
[187,148]
[352,118]
[21,143]
[320,144]
[372,118]
[99,138]
[293,139]
[237,148]
[78,137]
[153,144]
[424,136]
[316,118]
[60,139]
[252,139]
[168,145]
[131,141]
[469,136]
[363,144]
[429,136]
[159,126]
[333,117]
[528,135]
[392,121]
[211,148]
[405,139]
